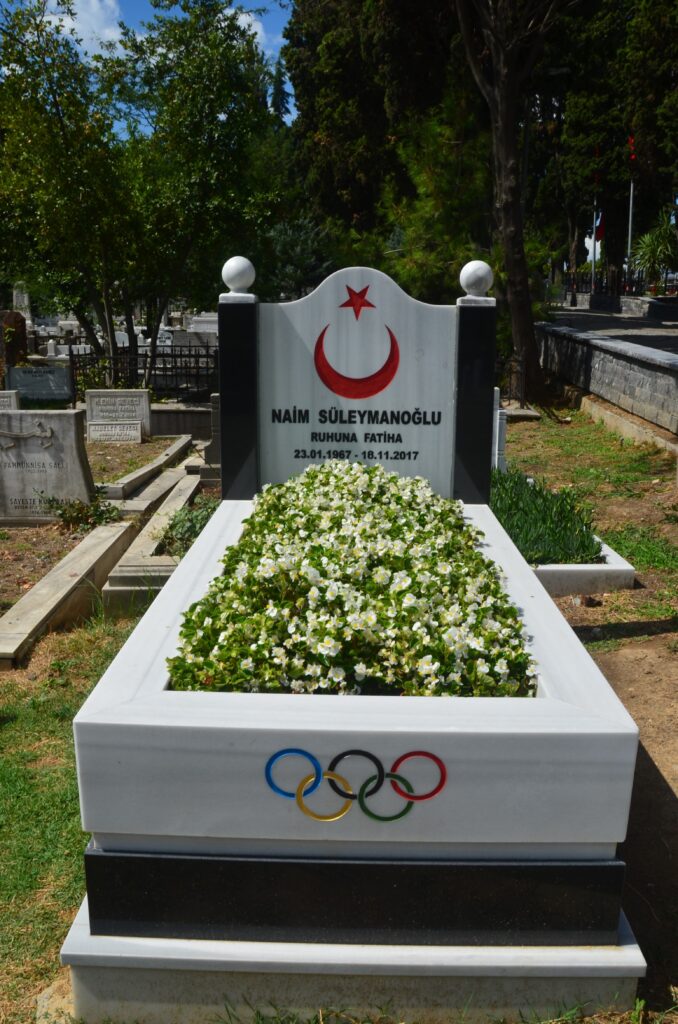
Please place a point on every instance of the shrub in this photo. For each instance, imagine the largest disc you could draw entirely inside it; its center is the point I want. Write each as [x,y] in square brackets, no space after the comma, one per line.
[350,579]
[186,524]
[546,526]
[79,516]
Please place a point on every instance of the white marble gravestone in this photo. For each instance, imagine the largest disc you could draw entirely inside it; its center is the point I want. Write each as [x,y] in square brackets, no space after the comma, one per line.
[119,407]
[42,455]
[358,370]
[9,400]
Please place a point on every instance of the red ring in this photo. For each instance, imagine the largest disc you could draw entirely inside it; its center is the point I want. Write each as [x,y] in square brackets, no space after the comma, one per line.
[419,753]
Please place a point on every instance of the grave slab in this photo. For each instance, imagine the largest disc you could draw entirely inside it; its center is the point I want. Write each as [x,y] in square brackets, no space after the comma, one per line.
[42,455]
[120,406]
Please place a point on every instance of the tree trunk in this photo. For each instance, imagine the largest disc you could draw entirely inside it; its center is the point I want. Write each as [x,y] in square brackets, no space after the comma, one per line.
[509,214]
[88,329]
[133,347]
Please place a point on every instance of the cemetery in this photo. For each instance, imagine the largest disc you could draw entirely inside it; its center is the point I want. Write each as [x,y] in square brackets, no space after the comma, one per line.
[169,825]
[519,830]
[338,603]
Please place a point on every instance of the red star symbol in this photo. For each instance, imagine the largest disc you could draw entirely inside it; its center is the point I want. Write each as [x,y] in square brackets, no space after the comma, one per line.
[357,301]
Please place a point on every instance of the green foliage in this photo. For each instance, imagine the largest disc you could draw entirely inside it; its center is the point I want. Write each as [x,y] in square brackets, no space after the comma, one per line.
[79,516]
[186,525]
[657,250]
[350,579]
[547,527]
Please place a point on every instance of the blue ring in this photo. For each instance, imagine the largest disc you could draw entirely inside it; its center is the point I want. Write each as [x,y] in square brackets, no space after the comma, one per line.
[287,752]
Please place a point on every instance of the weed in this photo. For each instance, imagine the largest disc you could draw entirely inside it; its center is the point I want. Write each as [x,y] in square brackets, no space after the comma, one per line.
[546,526]
[79,516]
[186,524]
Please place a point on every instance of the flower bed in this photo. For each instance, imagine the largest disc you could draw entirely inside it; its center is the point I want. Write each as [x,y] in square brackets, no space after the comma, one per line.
[350,580]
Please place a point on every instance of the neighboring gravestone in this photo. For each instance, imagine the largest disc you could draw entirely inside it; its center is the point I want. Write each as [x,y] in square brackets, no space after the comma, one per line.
[120,432]
[9,400]
[42,383]
[42,455]
[211,471]
[120,407]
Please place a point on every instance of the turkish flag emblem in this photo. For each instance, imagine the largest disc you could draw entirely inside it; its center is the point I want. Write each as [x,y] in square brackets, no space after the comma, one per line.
[356,387]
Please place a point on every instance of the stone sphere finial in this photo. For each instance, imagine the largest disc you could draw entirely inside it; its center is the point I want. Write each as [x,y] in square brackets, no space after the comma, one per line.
[476,278]
[238,274]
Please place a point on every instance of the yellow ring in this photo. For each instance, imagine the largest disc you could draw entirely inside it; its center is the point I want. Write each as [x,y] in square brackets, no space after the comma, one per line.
[323,817]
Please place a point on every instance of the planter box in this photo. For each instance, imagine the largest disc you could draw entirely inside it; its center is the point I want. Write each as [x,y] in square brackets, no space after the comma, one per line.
[550,776]
[504,865]
[615,573]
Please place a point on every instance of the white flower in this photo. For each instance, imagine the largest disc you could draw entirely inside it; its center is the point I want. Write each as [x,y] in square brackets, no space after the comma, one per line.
[360,671]
[409,600]
[426,665]
[247,664]
[336,674]
[329,647]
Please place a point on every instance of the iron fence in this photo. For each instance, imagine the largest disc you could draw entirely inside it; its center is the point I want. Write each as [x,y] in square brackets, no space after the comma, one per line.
[609,281]
[183,373]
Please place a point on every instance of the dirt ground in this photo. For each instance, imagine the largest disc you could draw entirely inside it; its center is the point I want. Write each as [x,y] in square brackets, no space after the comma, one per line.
[27,553]
[633,637]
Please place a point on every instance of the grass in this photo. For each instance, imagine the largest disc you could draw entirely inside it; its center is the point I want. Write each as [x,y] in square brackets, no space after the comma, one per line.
[597,461]
[630,490]
[41,841]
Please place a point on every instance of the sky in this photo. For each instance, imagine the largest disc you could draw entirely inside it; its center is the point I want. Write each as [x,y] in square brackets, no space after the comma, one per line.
[98,20]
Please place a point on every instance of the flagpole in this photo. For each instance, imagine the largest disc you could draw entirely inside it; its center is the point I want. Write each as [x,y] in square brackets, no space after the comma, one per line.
[628,241]
[593,251]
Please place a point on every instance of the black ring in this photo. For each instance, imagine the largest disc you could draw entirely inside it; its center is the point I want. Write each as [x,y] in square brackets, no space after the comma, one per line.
[357,753]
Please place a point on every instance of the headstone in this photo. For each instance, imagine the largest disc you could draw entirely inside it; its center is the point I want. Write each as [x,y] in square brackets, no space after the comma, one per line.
[42,383]
[21,301]
[358,370]
[119,432]
[9,400]
[42,455]
[120,407]
[211,471]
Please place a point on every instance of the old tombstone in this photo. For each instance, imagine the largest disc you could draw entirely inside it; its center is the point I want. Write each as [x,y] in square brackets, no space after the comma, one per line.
[9,400]
[42,456]
[120,432]
[119,407]
[42,383]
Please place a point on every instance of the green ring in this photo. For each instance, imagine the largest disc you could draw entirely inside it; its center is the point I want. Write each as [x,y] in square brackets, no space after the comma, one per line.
[390,817]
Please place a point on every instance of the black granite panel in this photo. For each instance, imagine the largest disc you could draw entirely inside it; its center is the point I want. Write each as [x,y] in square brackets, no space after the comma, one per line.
[353,901]
[475,403]
[238,398]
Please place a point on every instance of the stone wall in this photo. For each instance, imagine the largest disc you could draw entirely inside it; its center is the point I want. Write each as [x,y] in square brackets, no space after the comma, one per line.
[641,380]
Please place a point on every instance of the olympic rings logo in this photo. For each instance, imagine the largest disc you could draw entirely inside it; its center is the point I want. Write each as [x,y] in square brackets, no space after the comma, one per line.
[372,784]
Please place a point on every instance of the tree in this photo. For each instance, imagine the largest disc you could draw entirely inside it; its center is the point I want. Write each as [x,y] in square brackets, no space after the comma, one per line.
[280,96]
[59,161]
[503,41]
[192,91]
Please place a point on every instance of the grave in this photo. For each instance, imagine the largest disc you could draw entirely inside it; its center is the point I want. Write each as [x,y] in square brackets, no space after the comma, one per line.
[120,408]
[500,894]
[41,383]
[9,400]
[42,455]
[120,431]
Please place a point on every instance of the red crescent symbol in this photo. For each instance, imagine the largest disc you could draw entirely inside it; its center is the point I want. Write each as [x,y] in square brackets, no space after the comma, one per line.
[356,387]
